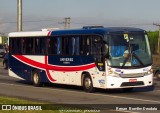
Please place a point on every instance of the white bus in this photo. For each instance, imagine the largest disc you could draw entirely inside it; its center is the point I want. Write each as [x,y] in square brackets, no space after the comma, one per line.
[92,57]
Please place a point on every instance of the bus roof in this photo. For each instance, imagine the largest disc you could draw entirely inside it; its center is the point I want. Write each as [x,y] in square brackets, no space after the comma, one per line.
[84,31]
[99,31]
[29,34]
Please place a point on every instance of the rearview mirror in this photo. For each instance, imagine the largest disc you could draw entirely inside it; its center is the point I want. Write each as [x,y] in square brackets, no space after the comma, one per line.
[106,50]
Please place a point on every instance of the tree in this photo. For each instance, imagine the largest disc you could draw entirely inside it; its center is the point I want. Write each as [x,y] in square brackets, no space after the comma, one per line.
[153,38]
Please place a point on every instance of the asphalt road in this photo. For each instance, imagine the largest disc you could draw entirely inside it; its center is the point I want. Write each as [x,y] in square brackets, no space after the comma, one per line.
[62,94]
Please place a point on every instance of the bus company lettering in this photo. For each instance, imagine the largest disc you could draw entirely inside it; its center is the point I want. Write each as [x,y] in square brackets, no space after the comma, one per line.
[66,60]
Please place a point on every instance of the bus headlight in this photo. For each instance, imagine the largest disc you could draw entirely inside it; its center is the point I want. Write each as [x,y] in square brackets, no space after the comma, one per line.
[110,71]
[149,72]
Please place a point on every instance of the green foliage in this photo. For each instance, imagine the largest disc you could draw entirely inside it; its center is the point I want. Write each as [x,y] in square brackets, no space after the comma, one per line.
[153,38]
[46,107]
[15,101]
[4,39]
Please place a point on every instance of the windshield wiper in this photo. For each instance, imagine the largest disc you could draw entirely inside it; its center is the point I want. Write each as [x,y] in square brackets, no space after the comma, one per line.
[125,61]
[133,54]
[138,59]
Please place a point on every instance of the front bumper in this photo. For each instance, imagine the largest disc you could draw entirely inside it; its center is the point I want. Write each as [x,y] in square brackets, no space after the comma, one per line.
[118,82]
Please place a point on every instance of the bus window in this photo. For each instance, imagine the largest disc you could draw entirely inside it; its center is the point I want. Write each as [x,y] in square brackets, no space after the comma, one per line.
[40,46]
[16,45]
[74,46]
[88,46]
[59,46]
[97,48]
[29,46]
[71,46]
[54,45]
[65,45]
[84,45]
[77,45]
[23,46]
[37,46]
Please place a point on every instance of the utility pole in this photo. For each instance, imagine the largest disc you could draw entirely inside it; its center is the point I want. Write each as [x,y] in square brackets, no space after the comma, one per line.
[67,22]
[158,48]
[19,15]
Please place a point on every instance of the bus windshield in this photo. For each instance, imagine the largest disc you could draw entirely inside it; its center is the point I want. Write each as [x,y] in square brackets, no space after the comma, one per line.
[129,50]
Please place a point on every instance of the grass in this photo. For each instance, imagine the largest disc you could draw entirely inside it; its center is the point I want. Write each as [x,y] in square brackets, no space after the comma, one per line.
[15,101]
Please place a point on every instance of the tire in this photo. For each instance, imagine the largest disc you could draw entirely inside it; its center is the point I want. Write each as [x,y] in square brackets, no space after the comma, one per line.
[36,79]
[157,75]
[88,84]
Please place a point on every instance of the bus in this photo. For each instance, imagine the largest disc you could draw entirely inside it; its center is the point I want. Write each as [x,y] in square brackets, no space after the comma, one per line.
[91,57]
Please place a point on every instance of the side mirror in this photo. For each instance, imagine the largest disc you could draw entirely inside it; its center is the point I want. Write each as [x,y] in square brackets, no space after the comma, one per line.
[106,50]
[98,42]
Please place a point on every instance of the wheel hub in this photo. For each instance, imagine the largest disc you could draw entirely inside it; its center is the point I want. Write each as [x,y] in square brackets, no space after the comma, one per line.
[35,78]
[87,83]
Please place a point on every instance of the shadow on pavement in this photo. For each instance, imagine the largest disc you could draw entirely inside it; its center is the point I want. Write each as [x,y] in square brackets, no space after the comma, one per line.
[78,88]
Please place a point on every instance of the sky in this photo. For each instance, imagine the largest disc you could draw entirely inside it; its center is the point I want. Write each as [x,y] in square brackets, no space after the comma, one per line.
[39,14]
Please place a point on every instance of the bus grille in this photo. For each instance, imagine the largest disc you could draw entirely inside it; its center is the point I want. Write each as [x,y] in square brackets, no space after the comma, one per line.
[132,83]
[132,75]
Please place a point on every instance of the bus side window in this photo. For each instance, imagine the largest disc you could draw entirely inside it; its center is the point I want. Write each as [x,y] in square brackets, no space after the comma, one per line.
[37,46]
[74,46]
[77,45]
[59,45]
[97,49]
[84,45]
[29,46]
[68,45]
[54,45]
[71,45]
[40,46]
[43,46]
[81,41]
[11,47]
[16,46]
[23,46]
[88,46]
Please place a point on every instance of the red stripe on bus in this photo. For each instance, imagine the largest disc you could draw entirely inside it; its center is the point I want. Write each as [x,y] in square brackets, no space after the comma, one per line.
[55,68]
[49,76]
[49,33]
[46,60]
[47,71]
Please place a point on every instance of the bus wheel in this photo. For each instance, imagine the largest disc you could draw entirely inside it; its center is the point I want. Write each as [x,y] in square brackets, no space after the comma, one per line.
[36,79]
[88,84]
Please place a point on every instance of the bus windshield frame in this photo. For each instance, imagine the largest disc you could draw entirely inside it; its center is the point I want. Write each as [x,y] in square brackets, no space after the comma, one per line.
[130,50]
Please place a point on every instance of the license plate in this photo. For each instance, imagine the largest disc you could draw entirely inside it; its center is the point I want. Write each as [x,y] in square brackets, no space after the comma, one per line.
[132,80]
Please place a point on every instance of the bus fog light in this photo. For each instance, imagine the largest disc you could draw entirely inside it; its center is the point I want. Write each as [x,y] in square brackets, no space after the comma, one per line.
[148,73]
[110,72]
